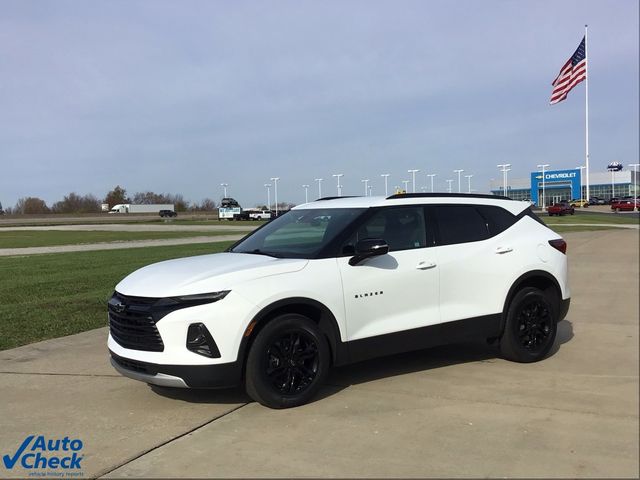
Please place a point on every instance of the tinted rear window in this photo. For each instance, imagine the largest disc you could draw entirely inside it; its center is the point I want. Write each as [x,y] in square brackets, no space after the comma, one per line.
[498,219]
[460,224]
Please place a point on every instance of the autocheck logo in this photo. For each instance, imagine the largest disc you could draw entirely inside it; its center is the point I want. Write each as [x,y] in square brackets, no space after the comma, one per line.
[62,457]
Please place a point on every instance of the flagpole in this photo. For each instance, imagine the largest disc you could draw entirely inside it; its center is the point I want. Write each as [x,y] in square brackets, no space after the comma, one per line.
[586,111]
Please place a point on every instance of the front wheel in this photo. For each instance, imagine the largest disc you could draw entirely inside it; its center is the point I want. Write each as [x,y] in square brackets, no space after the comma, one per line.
[530,327]
[287,363]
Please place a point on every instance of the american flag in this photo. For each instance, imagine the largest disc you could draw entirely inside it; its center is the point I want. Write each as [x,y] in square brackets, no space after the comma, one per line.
[571,74]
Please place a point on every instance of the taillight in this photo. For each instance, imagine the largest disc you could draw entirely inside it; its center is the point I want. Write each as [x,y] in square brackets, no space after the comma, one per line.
[559,244]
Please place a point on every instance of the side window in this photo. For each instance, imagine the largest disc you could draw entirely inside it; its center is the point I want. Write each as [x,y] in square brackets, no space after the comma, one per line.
[497,218]
[460,224]
[402,228]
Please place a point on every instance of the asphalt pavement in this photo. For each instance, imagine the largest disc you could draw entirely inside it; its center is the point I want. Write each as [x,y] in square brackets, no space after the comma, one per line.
[456,411]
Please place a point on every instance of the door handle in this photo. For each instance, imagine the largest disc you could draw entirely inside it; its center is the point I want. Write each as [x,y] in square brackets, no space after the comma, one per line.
[425,265]
[501,250]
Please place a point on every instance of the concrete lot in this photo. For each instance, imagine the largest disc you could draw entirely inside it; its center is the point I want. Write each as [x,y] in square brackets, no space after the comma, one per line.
[454,411]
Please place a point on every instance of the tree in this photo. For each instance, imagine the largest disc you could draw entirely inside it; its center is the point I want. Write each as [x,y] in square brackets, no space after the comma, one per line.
[31,205]
[74,203]
[207,205]
[147,198]
[116,196]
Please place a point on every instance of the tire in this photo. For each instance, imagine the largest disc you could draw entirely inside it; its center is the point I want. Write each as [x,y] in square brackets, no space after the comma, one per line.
[529,309]
[279,376]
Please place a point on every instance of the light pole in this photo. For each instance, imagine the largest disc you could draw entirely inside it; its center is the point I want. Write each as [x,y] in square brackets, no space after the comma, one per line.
[543,199]
[306,193]
[338,175]
[366,186]
[386,177]
[413,177]
[406,185]
[613,182]
[275,191]
[319,180]
[458,172]
[224,185]
[504,169]
[635,182]
[268,187]
[469,181]
[431,175]
[449,182]
[370,190]
[581,167]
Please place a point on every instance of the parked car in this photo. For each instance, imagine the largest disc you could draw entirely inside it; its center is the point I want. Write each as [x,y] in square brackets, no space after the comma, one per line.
[613,200]
[580,203]
[597,201]
[168,213]
[338,281]
[625,205]
[561,208]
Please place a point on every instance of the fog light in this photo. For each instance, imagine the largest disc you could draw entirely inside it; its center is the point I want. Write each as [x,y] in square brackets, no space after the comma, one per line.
[200,341]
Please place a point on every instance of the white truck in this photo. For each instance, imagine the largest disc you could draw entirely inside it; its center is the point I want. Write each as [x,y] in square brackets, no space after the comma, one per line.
[260,215]
[148,208]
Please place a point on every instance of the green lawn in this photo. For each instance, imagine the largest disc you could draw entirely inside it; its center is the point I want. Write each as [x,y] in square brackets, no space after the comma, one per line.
[48,296]
[580,228]
[592,218]
[38,238]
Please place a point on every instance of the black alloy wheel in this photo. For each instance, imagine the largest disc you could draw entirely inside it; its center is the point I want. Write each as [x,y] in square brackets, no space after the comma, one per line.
[530,328]
[292,362]
[534,324]
[287,362]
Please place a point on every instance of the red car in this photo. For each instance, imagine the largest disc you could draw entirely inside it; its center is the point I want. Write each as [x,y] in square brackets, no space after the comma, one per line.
[562,208]
[625,205]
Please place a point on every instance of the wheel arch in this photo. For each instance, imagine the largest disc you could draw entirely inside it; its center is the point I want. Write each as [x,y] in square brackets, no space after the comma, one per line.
[314,310]
[539,279]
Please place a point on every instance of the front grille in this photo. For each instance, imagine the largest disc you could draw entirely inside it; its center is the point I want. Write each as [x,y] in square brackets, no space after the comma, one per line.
[132,322]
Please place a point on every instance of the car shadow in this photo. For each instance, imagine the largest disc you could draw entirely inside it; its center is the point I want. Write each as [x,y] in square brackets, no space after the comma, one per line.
[429,359]
[213,395]
[371,370]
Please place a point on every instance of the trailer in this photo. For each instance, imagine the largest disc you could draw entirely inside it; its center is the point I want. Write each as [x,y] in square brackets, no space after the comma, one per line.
[229,209]
[143,208]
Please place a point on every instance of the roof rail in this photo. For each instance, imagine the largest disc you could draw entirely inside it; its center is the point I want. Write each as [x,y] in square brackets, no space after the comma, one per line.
[333,198]
[446,195]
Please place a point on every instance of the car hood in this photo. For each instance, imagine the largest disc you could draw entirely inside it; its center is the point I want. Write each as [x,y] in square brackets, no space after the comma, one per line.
[203,274]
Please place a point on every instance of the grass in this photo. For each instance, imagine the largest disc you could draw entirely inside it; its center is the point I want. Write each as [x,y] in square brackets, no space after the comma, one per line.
[37,238]
[591,218]
[586,222]
[48,296]
[580,228]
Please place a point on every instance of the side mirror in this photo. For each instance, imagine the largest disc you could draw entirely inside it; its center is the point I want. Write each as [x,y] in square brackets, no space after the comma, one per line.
[369,247]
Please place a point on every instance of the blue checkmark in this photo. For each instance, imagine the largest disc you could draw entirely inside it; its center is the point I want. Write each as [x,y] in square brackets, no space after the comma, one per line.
[10,462]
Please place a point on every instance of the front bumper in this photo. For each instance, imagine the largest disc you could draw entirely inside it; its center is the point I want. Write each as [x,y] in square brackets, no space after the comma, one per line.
[219,375]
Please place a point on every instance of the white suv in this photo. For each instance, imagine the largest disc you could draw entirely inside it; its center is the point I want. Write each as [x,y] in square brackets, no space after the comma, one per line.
[341,280]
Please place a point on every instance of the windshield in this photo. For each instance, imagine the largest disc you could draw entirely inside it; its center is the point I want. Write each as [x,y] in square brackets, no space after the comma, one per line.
[299,233]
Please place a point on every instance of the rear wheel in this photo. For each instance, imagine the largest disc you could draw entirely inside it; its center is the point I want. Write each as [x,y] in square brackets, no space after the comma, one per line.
[530,327]
[287,363]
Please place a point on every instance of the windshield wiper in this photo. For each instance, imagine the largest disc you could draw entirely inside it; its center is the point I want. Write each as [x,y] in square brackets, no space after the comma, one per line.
[257,251]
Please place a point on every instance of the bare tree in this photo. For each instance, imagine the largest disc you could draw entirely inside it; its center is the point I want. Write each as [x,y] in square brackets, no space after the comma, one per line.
[31,205]
[147,198]
[74,203]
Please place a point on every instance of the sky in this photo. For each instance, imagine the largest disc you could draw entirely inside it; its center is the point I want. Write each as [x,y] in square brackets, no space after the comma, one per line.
[182,96]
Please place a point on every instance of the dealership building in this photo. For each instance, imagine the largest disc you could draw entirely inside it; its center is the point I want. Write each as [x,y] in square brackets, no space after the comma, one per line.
[562,185]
